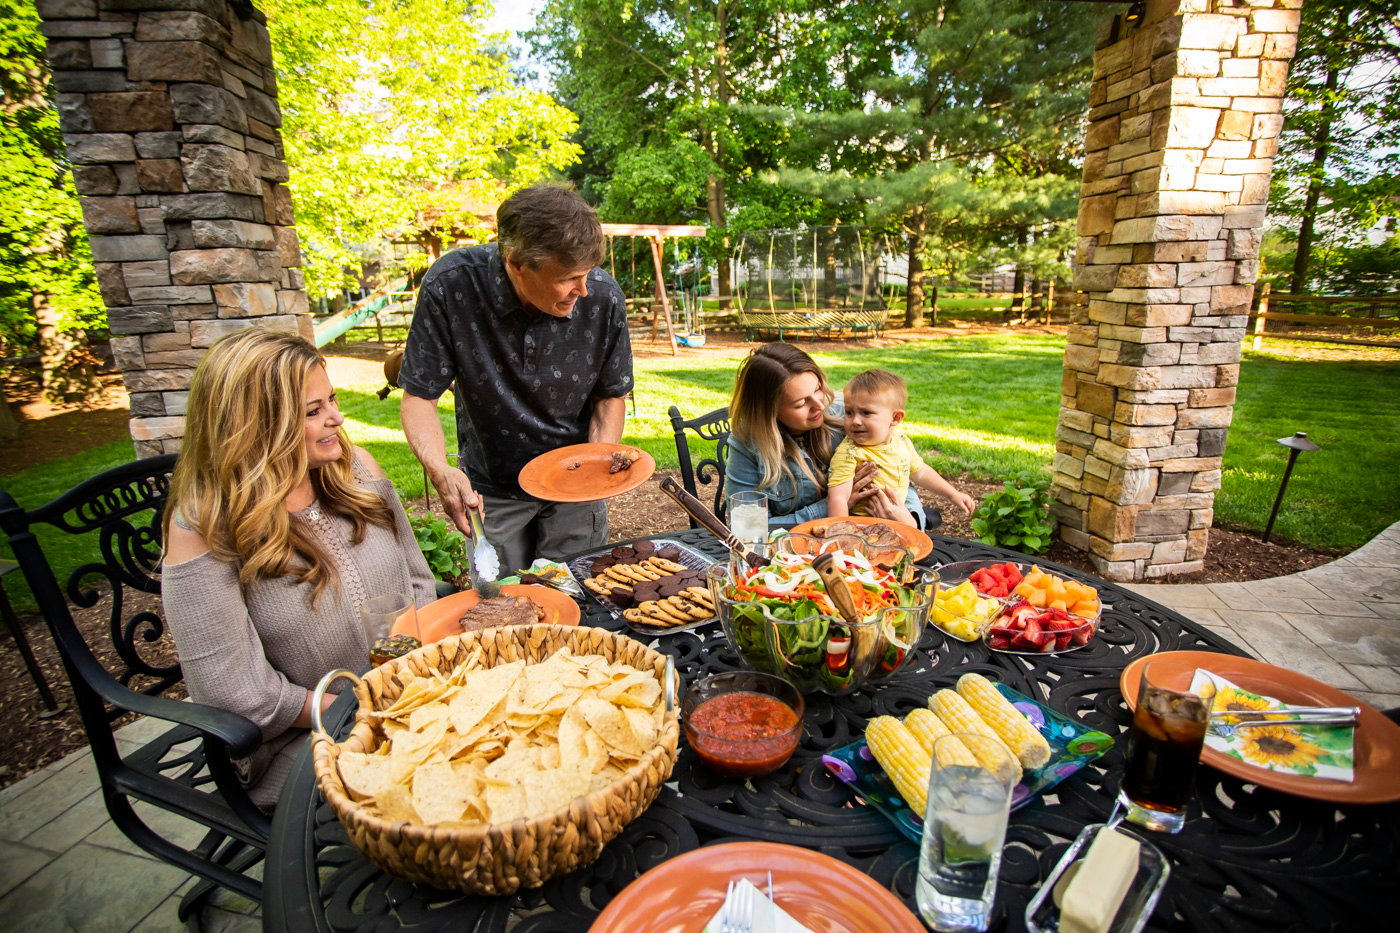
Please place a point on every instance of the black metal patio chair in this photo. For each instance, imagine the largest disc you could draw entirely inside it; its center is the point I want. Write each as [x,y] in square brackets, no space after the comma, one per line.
[189,769]
[713,426]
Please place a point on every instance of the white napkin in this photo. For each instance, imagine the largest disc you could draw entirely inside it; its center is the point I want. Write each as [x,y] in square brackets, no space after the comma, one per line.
[767,916]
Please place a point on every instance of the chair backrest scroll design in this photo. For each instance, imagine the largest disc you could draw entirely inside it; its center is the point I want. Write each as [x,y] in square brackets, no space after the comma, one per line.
[712,426]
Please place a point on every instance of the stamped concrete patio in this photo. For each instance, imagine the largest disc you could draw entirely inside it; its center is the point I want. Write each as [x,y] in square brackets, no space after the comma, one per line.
[64,866]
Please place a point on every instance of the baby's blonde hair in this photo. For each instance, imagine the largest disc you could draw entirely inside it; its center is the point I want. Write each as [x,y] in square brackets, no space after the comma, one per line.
[244,453]
[881,384]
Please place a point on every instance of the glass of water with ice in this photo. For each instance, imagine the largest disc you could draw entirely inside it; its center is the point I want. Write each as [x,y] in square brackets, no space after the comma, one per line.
[748,519]
[964,827]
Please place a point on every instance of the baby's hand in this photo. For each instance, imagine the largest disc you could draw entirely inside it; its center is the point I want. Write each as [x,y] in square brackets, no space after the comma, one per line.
[965,502]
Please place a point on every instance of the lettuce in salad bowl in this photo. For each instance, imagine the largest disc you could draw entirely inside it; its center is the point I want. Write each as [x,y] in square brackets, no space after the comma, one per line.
[781,619]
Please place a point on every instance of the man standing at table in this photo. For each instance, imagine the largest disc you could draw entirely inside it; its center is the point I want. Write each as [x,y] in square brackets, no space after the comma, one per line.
[535,337]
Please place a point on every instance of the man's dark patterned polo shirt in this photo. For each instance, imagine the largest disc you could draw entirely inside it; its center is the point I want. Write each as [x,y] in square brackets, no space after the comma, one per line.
[526,381]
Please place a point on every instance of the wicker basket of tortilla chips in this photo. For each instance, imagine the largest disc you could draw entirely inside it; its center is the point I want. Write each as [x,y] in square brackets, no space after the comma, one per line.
[494,760]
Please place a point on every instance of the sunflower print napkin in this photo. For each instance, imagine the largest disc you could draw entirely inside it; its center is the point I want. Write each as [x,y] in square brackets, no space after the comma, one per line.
[1311,751]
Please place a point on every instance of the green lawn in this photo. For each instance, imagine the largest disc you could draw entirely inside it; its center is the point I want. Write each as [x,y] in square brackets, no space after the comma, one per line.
[988,404]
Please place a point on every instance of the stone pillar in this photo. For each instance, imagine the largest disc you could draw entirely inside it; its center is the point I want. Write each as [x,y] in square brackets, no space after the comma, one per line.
[1185,113]
[169,112]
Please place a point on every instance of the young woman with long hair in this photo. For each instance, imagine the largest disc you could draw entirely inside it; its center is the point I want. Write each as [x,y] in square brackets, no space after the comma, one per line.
[784,426]
[277,529]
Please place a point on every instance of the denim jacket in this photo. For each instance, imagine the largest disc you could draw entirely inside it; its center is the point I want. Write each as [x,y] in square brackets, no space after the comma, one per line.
[794,498]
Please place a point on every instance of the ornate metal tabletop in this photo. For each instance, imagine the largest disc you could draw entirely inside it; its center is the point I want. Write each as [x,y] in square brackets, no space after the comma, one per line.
[1249,859]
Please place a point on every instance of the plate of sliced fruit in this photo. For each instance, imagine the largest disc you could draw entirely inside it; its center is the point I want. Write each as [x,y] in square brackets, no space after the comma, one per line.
[1036,612]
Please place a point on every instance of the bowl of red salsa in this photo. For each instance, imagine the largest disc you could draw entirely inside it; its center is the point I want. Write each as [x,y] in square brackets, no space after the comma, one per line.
[742,724]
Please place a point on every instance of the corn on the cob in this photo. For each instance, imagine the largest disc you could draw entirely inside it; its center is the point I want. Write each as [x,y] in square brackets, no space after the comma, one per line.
[982,741]
[927,728]
[1006,721]
[903,758]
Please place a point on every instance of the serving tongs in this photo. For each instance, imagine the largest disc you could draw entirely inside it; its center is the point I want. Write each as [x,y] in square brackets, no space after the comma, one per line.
[864,637]
[486,587]
[711,523]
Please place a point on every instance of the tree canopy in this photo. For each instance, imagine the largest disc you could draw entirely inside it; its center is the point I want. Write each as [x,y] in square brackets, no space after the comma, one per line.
[45,263]
[399,115]
[1337,173]
[937,119]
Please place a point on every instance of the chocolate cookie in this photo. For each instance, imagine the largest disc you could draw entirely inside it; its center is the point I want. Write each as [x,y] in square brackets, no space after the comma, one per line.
[622,597]
[624,553]
[670,552]
[644,548]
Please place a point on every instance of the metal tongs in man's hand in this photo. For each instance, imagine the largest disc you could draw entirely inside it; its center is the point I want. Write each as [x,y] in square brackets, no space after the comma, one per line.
[485,563]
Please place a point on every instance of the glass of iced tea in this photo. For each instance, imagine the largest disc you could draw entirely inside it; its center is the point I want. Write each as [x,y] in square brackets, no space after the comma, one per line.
[1164,746]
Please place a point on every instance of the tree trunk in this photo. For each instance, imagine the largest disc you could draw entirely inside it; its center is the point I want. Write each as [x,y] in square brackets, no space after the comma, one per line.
[9,427]
[827,245]
[1307,230]
[1018,285]
[933,304]
[714,184]
[914,291]
[67,367]
[714,205]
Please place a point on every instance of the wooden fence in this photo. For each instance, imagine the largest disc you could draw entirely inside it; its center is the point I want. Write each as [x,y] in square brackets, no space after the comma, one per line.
[1351,315]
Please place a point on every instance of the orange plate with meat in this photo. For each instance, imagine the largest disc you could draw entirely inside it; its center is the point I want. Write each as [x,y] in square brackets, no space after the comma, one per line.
[914,539]
[440,618]
[583,472]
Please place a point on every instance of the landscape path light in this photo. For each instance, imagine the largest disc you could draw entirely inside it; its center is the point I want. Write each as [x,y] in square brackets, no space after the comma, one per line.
[1296,444]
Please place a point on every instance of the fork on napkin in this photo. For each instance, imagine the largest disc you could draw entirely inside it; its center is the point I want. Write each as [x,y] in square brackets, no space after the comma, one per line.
[767,916]
[1321,751]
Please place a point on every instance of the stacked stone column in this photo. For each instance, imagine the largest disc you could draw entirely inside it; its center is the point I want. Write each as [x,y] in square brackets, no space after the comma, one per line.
[1184,123]
[169,111]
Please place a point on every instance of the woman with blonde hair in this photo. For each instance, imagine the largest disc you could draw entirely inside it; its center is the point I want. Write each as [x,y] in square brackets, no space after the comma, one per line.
[277,529]
[785,422]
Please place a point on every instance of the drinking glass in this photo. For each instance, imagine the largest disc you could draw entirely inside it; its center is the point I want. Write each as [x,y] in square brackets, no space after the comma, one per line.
[748,519]
[380,613]
[1164,745]
[964,827]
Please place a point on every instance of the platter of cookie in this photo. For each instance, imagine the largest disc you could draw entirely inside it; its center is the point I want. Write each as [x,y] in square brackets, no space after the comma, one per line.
[655,587]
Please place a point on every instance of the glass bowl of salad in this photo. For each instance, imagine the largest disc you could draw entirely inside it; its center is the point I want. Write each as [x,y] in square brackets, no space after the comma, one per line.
[782,621]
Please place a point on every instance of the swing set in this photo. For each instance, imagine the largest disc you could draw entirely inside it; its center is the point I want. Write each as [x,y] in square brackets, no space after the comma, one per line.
[659,300]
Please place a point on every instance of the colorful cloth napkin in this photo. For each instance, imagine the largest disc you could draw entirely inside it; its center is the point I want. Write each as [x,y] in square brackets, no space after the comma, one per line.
[767,916]
[1312,751]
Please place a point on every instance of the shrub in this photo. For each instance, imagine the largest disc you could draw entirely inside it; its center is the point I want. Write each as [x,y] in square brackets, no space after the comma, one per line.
[1017,517]
[444,547]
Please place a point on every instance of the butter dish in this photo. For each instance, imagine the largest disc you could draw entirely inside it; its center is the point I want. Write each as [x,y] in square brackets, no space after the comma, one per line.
[1043,912]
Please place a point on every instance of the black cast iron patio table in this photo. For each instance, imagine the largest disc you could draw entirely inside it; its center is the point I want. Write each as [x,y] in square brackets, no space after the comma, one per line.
[1250,858]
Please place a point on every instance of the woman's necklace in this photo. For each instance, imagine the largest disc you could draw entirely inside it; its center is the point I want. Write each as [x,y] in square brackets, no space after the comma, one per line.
[312,509]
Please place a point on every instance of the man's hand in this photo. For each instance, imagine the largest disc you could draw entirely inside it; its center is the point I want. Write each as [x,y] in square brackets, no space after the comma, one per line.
[425,438]
[457,495]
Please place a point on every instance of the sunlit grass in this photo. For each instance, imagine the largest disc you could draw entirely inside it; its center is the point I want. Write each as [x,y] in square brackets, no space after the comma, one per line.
[987,405]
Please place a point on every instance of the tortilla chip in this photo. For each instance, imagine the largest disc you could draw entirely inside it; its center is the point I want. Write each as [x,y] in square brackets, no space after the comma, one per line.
[441,795]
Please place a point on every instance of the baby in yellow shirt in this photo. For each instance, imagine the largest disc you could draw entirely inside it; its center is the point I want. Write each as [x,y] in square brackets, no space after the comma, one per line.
[875,401]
